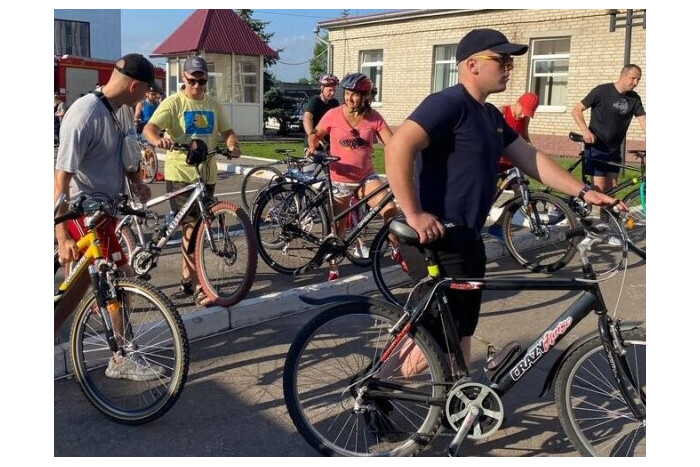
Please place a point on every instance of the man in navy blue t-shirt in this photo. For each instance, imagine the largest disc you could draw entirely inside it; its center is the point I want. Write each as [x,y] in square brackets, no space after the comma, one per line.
[460,138]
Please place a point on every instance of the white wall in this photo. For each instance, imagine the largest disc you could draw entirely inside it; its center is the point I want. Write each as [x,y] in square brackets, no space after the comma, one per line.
[105,30]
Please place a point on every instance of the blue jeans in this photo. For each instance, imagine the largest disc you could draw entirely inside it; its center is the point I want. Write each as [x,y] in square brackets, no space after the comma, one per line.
[598,166]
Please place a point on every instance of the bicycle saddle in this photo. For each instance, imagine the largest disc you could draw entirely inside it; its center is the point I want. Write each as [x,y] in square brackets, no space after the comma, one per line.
[406,234]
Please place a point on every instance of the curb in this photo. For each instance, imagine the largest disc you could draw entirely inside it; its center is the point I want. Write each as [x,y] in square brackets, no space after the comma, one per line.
[213,320]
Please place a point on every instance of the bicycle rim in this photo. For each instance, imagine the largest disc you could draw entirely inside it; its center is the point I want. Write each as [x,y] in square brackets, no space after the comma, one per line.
[326,369]
[154,336]
[149,165]
[535,235]
[288,232]
[254,181]
[594,414]
[226,262]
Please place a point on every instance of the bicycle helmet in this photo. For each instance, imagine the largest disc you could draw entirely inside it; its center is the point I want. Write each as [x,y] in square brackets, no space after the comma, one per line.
[328,80]
[357,82]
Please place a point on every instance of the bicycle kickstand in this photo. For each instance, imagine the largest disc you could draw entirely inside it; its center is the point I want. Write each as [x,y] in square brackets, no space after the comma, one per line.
[463,430]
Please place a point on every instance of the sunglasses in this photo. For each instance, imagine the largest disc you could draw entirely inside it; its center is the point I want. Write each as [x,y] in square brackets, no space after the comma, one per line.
[358,142]
[506,61]
[192,81]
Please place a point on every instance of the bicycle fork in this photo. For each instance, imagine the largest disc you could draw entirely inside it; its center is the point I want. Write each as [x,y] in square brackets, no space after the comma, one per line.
[104,289]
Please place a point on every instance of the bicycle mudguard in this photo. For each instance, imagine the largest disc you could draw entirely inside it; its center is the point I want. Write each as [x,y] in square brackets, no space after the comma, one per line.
[554,371]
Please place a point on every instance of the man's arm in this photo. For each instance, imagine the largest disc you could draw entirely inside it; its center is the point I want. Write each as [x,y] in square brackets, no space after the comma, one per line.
[232,143]
[408,140]
[67,249]
[642,119]
[541,167]
[152,134]
[577,113]
[308,122]
[138,110]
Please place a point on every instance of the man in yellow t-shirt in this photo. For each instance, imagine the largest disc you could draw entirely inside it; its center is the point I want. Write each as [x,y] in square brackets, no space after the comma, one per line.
[188,114]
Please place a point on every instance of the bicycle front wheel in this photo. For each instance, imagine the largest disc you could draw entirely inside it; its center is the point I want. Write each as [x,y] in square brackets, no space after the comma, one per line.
[149,164]
[536,233]
[389,269]
[156,354]
[288,228]
[592,410]
[227,260]
[254,181]
[637,219]
[342,409]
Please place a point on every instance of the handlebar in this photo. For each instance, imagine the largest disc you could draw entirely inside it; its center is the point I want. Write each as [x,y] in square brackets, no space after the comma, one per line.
[98,206]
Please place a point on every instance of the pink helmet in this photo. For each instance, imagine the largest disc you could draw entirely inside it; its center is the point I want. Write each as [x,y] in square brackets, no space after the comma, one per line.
[328,80]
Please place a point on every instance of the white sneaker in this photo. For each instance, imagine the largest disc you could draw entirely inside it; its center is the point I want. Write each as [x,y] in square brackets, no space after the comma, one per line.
[134,370]
[361,252]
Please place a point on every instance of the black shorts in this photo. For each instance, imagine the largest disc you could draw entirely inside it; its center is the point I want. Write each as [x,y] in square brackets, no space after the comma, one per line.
[459,254]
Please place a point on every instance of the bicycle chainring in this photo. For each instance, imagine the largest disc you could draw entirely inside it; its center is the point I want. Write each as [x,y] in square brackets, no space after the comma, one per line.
[142,261]
[465,395]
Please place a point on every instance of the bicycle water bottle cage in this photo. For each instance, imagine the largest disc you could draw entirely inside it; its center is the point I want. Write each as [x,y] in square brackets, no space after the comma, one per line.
[197,152]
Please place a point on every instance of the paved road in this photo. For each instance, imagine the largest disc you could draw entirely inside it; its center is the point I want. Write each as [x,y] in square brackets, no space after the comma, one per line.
[232,404]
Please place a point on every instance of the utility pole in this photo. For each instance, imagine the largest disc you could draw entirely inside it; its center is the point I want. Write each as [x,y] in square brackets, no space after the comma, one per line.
[629,22]
[328,48]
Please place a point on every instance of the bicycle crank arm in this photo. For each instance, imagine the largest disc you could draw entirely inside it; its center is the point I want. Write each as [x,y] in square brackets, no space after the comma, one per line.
[462,433]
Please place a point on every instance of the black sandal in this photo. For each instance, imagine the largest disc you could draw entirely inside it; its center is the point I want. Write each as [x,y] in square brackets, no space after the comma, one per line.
[200,298]
[186,287]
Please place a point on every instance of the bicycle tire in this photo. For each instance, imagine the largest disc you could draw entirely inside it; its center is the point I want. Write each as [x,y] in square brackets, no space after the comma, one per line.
[547,249]
[637,229]
[149,165]
[127,240]
[333,351]
[227,275]
[285,241]
[590,404]
[160,339]
[264,174]
[391,277]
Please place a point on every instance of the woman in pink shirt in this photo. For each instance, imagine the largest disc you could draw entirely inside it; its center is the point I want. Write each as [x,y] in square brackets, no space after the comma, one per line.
[353,128]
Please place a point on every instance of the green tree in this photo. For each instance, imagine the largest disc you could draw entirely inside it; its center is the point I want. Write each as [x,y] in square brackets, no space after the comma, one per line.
[319,60]
[279,107]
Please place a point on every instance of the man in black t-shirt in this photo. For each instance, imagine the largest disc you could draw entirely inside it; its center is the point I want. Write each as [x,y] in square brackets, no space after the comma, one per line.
[612,107]
[460,138]
[319,105]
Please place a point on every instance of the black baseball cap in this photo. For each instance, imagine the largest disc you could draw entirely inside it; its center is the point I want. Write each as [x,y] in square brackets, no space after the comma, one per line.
[478,40]
[196,64]
[138,67]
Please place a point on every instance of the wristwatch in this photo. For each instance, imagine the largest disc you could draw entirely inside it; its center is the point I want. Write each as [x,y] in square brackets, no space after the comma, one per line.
[584,190]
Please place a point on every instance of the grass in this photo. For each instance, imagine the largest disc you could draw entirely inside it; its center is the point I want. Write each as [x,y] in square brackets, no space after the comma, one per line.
[267,150]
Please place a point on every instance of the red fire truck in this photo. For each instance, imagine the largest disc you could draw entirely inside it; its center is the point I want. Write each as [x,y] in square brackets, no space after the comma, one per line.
[74,76]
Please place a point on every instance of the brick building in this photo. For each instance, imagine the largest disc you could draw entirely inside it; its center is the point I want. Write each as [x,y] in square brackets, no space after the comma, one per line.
[410,54]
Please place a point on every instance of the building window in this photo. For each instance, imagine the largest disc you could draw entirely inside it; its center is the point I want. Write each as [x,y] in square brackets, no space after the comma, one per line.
[71,38]
[549,72]
[444,67]
[371,62]
[246,79]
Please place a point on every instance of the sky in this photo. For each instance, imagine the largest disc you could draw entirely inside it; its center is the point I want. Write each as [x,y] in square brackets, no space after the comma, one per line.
[144,30]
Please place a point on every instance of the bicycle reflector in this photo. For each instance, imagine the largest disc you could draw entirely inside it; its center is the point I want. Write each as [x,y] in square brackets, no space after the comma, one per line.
[197,152]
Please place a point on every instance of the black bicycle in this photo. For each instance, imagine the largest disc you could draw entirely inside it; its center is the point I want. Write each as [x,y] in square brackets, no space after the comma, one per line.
[295,224]
[365,377]
[635,200]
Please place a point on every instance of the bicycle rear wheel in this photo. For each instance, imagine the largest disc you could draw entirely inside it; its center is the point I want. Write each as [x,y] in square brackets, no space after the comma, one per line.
[389,270]
[592,411]
[127,240]
[257,179]
[149,164]
[536,234]
[637,216]
[339,408]
[155,341]
[226,262]
[288,230]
